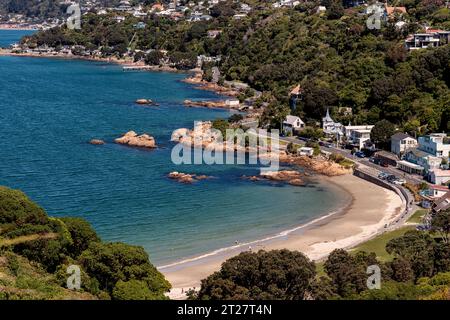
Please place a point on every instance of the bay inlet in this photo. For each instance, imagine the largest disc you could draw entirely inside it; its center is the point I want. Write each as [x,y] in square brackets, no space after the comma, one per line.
[51,109]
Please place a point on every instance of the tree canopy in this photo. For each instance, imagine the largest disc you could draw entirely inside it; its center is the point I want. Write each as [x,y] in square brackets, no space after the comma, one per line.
[273,275]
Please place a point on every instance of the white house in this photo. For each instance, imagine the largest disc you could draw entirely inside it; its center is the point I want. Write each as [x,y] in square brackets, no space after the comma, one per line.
[232,103]
[435,192]
[438,176]
[429,39]
[435,144]
[292,124]
[358,135]
[321,9]
[119,19]
[401,142]
[124,6]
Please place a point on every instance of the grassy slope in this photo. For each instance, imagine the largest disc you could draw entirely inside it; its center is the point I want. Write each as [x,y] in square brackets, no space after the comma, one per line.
[417,216]
[378,244]
[21,279]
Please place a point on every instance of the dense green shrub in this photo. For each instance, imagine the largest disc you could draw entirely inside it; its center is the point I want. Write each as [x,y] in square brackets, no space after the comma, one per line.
[112,262]
[15,207]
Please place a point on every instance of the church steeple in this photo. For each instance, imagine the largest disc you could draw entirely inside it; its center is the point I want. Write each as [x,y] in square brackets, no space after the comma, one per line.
[327,117]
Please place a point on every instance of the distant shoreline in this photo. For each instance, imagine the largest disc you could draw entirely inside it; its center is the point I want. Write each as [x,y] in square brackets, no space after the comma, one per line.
[3,28]
[193,80]
[123,62]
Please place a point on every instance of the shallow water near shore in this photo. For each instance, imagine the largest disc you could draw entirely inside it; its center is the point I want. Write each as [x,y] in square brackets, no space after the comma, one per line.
[51,108]
[10,36]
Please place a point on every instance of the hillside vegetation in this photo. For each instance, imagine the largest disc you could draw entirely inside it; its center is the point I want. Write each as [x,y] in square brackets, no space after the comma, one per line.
[36,251]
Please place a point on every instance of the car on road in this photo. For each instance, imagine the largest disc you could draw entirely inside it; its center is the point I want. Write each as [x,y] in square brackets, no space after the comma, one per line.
[360,154]
[391,178]
[383,175]
[399,181]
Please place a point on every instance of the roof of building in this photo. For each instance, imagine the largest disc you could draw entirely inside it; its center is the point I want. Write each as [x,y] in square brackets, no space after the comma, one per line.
[437,187]
[400,136]
[440,173]
[297,90]
[430,30]
[442,203]
[392,10]
[157,6]
[327,117]
[418,153]
[362,127]
[387,155]
[292,119]
[410,165]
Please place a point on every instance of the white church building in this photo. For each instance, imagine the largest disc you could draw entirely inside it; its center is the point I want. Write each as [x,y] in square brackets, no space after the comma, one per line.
[330,127]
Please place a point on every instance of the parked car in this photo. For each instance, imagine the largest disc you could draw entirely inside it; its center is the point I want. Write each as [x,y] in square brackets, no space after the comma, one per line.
[399,181]
[383,175]
[360,154]
[391,178]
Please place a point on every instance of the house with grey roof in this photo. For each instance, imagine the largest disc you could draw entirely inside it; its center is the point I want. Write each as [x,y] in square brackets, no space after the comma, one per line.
[401,142]
[292,124]
[443,203]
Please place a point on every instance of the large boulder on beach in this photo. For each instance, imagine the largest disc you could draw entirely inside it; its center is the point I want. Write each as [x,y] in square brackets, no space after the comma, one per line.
[132,139]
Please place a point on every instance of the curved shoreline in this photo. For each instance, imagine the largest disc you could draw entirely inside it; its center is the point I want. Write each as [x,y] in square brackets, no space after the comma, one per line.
[244,246]
[359,221]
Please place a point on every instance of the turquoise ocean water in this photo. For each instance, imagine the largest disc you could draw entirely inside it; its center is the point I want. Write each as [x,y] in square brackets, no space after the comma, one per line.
[50,109]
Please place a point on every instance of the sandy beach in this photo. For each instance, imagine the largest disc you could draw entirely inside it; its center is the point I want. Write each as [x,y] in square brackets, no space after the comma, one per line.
[371,208]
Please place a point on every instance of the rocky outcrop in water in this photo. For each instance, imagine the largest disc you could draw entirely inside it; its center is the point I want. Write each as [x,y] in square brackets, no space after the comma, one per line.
[146,102]
[206,104]
[289,176]
[186,177]
[209,86]
[97,142]
[132,139]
